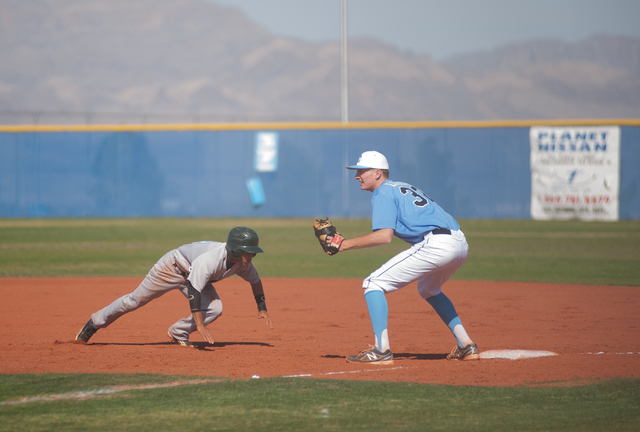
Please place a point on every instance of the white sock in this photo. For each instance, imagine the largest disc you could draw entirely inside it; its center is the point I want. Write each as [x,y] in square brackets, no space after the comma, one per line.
[461,335]
[382,347]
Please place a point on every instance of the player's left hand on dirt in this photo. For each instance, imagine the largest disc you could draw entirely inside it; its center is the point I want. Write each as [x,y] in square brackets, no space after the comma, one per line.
[328,236]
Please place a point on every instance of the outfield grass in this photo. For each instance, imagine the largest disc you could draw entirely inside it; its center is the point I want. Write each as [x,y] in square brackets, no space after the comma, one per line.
[596,253]
[309,405]
[532,251]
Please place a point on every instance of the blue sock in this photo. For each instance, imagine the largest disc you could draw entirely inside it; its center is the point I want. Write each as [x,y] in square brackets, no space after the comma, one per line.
[447,312]
[378,312]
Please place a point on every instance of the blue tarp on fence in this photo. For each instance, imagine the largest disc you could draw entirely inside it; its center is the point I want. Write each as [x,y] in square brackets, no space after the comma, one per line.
[471,172]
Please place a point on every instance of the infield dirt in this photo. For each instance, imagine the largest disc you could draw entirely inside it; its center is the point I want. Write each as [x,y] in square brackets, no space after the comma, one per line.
[318,322]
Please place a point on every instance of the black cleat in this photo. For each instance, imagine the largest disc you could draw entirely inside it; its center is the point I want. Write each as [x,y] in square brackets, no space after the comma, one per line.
[87,331]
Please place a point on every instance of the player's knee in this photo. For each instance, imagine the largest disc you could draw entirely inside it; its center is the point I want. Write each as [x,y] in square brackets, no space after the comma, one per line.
[369,289]
[215,308]
[213,312]
[429,291]
[131,303]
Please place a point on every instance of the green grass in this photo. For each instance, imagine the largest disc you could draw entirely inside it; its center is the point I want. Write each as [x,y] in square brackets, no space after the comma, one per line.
[310,405]
[601,253]
[593,253]
[523,250]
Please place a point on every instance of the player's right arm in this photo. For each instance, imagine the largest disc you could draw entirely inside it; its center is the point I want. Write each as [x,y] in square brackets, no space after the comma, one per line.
[375,238]
[202,329]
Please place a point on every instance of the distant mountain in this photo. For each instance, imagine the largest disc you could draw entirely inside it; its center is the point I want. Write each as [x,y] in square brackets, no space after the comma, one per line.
[194,60]
[617,52]
[595,78]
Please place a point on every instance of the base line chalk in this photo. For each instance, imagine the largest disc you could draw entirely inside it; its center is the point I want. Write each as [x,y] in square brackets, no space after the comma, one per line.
[103,391]
[347,372]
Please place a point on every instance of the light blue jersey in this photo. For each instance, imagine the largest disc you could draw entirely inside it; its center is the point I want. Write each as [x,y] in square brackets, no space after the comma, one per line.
[408,211]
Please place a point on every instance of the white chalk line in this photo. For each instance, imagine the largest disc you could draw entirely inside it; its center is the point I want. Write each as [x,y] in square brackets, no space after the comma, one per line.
[491,354]
[485,355]
[85,394]
[348,372]
[99,392]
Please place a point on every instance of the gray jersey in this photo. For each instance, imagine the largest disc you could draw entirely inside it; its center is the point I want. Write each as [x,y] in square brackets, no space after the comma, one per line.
[206,262]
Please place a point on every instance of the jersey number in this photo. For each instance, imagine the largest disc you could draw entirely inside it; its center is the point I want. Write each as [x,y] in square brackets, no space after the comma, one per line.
[421,199]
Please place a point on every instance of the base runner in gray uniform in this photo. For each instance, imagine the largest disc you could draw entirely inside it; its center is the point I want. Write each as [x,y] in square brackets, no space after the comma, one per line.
[192,269]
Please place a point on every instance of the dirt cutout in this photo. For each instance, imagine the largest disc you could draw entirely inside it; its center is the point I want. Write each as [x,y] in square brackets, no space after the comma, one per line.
[318,322]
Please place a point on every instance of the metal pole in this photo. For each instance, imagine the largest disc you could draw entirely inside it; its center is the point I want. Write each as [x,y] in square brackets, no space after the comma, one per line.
[345,67]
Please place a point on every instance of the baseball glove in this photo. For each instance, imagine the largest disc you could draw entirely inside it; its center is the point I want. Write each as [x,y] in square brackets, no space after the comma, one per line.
[328,236]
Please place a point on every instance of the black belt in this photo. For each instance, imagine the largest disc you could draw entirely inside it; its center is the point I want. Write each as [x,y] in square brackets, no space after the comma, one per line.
[441,231]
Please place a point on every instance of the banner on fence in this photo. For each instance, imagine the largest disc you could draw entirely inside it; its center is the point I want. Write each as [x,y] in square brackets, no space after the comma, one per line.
[575,173]
[266,152]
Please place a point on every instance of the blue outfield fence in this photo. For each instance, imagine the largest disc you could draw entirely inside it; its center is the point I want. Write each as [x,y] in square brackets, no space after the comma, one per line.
[474,170]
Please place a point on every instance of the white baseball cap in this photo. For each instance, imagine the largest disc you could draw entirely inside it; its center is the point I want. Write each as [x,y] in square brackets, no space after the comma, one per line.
[371,159]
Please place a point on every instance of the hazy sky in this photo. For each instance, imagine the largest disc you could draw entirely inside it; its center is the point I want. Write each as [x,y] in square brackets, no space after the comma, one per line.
[442,28]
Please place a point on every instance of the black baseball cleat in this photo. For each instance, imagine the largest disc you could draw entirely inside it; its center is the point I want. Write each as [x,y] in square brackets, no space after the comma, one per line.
[470,352]
[87,331]
[372,356]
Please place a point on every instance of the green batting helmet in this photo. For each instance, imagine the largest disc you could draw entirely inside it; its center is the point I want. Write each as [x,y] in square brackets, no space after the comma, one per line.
[242,239]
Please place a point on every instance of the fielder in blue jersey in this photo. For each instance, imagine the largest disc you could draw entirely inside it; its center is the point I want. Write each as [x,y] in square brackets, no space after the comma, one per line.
[438,249]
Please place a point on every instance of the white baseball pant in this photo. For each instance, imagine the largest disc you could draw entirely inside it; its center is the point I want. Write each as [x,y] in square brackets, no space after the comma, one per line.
[431,262]
[163,277]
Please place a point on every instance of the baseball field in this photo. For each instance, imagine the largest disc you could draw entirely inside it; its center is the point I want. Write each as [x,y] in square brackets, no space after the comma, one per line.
[570,289]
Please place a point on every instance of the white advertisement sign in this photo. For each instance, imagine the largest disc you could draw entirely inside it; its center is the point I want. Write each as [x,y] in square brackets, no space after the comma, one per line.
[266,152]
[575,172]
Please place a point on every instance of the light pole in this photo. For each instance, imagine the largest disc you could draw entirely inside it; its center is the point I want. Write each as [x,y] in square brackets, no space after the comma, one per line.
[345,65]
